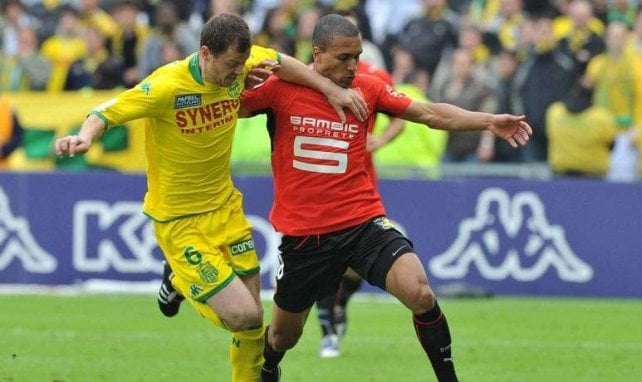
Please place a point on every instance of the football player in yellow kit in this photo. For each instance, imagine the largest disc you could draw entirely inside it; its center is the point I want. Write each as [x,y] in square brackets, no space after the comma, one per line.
[190,109]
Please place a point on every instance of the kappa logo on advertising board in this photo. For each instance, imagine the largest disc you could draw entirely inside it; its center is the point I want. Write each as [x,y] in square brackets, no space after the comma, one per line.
[18,243]
[113,236]
[510,237]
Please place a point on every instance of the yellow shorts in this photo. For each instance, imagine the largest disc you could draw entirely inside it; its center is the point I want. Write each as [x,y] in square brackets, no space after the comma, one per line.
[207,251]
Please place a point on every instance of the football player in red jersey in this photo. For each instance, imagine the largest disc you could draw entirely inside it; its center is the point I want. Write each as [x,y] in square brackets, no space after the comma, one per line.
[332,309]
[326,206]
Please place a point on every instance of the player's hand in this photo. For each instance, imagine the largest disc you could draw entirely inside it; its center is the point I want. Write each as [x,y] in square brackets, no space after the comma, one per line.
[259,73]
[72,145]
[511,128]
[341,98]
[373,143]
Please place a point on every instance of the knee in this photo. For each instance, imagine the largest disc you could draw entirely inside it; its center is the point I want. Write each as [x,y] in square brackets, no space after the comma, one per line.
[423,300]
[244,320]
[283,340]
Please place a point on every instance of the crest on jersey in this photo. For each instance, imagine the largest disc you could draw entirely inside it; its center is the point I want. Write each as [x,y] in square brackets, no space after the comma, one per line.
[187,100]
[207,272]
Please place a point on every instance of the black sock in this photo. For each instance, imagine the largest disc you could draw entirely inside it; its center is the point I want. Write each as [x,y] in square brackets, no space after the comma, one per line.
[349,285]
[272,357]
[325,309]
[433,334]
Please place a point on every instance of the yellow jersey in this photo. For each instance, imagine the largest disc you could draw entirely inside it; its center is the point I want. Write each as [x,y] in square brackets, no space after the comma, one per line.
[189,127]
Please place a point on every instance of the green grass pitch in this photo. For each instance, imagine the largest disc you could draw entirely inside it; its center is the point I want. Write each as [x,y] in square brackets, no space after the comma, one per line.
[124,338]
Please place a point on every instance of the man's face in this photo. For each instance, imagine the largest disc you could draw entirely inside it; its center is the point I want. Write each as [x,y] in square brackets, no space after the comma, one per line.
[339,60]
[222,69]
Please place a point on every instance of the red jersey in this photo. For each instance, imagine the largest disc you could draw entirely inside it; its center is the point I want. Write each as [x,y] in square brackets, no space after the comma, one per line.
[367,68]
[321,183]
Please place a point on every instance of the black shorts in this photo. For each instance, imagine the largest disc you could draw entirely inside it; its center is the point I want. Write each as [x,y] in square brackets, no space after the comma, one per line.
[311,267]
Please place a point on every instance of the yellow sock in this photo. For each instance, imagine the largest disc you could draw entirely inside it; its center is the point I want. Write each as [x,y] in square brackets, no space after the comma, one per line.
[246,354]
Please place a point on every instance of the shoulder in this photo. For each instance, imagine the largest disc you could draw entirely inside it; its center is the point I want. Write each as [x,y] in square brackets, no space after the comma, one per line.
[368,81]
[374,87]
[259,53]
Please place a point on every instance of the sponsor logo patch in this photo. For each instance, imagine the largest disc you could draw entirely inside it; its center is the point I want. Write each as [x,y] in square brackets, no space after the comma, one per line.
[242,247]
[187,100]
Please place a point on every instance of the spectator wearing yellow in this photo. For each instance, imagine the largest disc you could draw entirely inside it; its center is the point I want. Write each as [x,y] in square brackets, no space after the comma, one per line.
[577,20]
[580,135]
[415,149]
[616,75]
[583,39]
[64,48]
[508,23]
[92,15]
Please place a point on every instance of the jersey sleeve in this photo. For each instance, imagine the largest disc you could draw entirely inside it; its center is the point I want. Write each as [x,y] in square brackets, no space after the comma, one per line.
[261,97]
[147,99]
[258,54]
[389,100]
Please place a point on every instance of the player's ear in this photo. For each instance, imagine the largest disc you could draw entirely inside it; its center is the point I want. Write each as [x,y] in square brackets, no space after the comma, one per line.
[204,52]
[316,53]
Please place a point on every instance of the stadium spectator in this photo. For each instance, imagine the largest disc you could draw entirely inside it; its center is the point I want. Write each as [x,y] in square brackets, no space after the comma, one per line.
[197,212]
[279,30]
[127,43]
[482,13]
[583,40]
[508,22]
[168,27]
[312,197]
[371,52]
[100,69]
[12,19]
[635,42]
[93,16]
[580,135]
[27,69]
[545,76]
[622,11]
[576,13]
[463,89]
[305,25]
[428,36]
[505,68]
[10,130]
[64,48]
[617,77]
[416,150]
[471,40]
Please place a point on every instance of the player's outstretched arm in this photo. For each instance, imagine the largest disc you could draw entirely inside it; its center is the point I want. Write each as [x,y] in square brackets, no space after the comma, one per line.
[71,145]
[443,116]
[394,128]
[293,70]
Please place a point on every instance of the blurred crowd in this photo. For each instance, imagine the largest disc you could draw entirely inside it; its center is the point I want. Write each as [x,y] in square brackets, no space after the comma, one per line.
[573,67]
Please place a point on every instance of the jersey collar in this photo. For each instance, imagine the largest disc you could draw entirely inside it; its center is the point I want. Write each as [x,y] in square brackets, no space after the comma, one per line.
[195,70]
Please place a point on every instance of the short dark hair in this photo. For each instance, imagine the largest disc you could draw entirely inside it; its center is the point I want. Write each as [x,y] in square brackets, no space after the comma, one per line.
[224,30]
[331,26]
